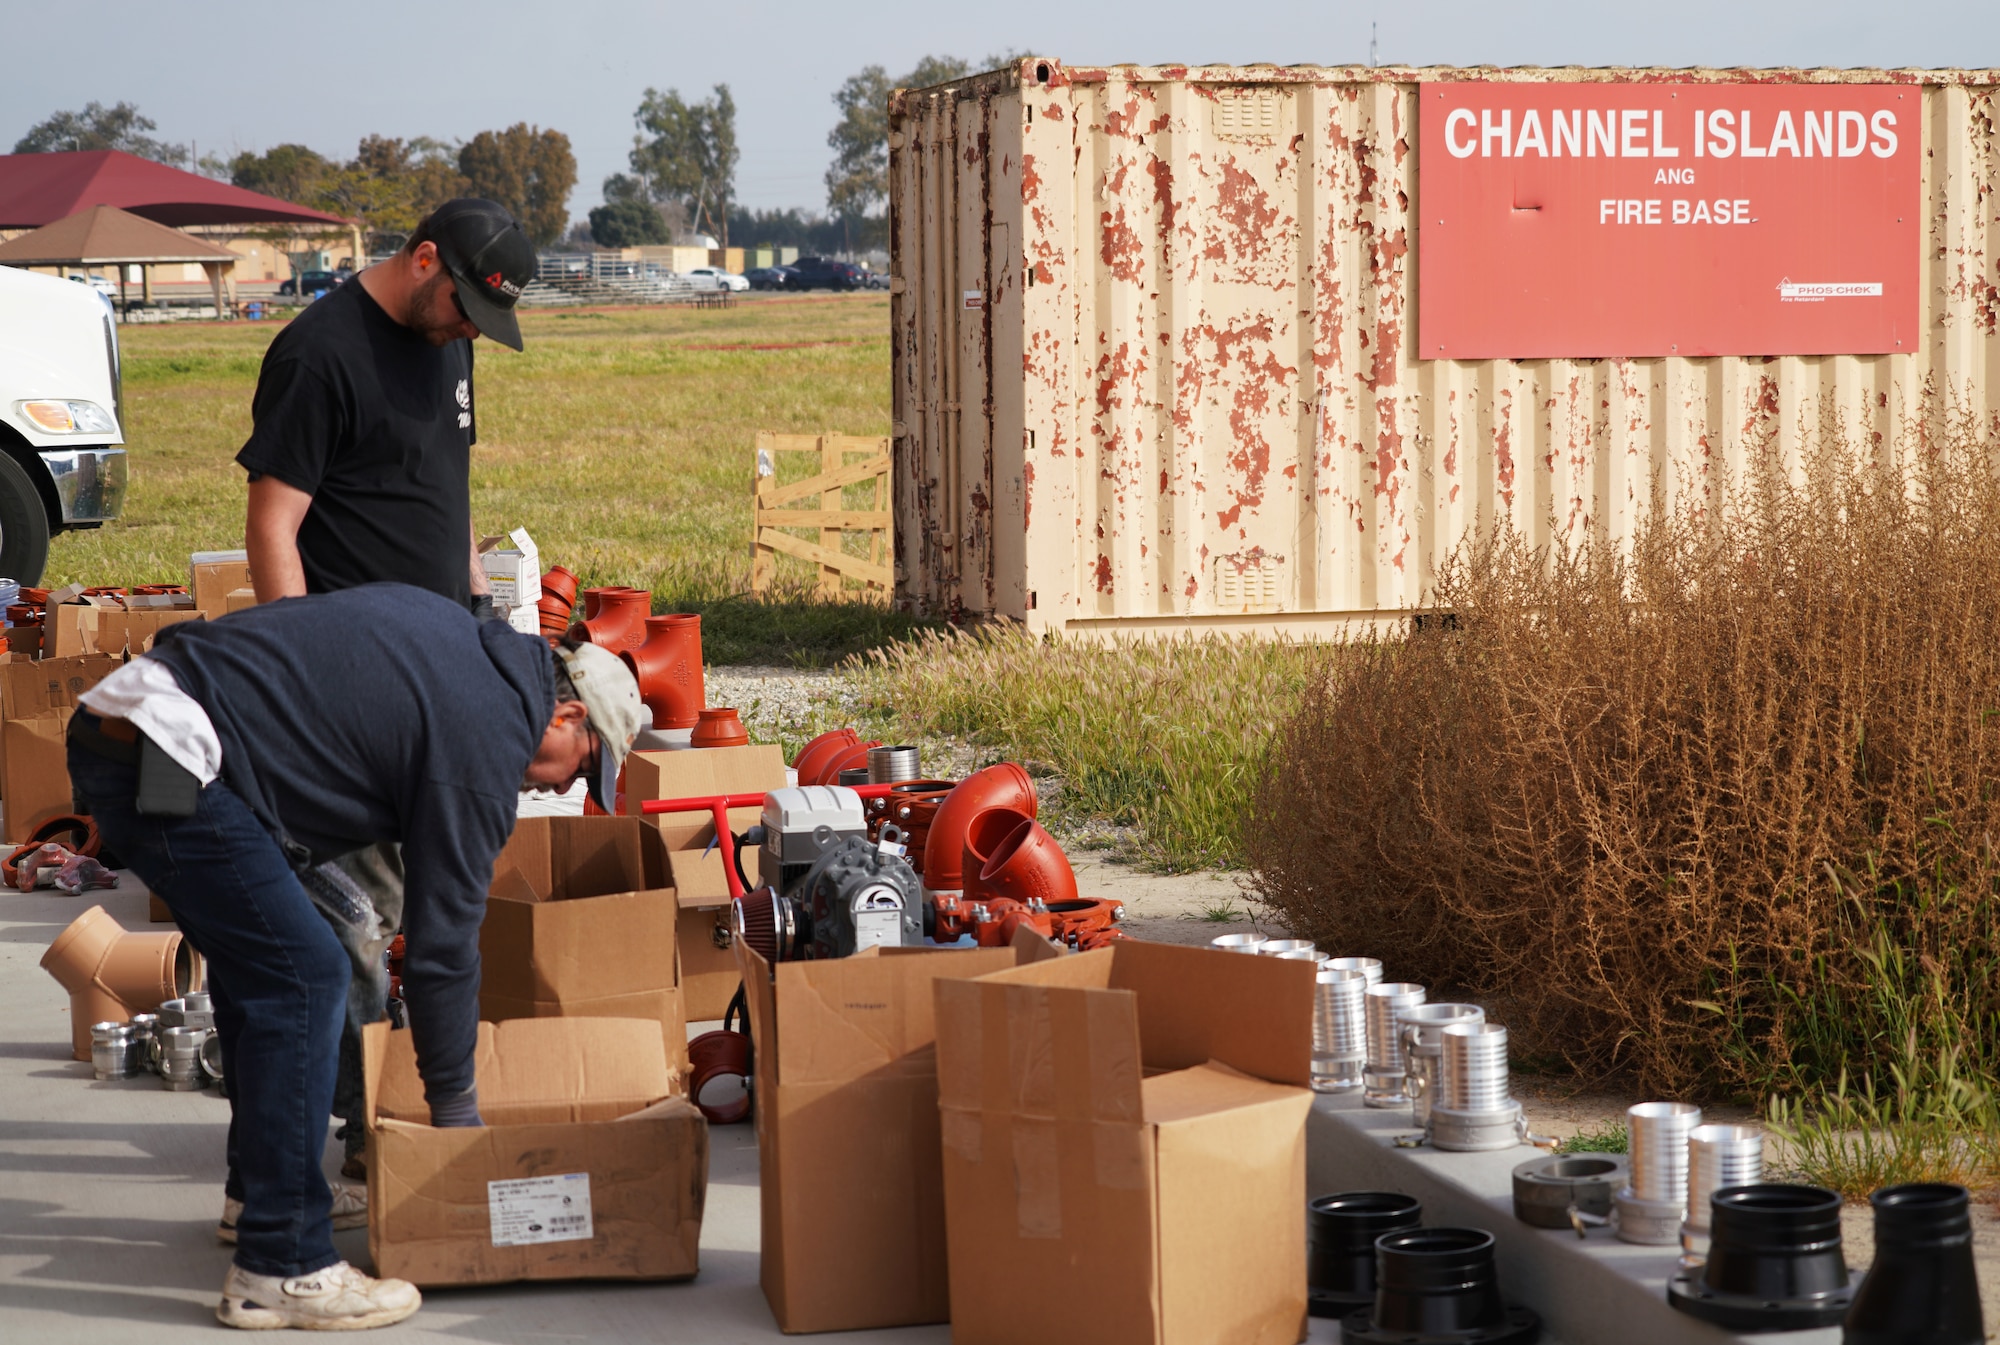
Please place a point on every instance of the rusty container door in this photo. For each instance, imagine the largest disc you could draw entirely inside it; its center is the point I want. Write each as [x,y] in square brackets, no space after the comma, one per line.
[1154,366]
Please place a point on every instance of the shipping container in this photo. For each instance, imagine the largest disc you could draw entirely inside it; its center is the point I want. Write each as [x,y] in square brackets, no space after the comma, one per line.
[1156,366]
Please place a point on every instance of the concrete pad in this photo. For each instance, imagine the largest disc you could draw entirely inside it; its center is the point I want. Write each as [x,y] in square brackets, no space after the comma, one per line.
[1596,1289]
[109,1195]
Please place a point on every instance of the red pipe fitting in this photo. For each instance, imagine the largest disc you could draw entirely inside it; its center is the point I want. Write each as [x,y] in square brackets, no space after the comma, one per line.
[720,728]
[711,1056]
[1026,865]
[815,754]
[562,584]
[1003,786]
[667,664]
[983,837]
[851,758]
[617,619]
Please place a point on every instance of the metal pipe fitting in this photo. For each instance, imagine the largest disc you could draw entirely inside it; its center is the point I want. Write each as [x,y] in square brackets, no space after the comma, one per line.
[180,1059]
[1279,947]
[1236,943]
[147,1025]
[1474,1112]
[1551,1191]
[1339,1030]
[1370,967]
[1718,1156]
[211,1061]
[1650,1210]
[117,1051]
[893,765]
[1423,1047]
[1383,1083]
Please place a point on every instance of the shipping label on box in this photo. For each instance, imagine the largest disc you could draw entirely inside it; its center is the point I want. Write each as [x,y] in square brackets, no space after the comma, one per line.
[540,1209]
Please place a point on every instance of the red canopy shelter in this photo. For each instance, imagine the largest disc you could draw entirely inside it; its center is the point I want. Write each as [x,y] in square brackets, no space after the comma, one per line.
[38,189]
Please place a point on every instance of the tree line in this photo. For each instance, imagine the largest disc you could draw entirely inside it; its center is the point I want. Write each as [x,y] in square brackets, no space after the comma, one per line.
[681,176]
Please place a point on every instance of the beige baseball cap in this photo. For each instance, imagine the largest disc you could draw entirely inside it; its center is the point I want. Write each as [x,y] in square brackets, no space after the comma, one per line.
[610,696]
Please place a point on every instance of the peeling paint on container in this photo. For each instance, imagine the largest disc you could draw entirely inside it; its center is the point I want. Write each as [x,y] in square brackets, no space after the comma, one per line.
[1188,395]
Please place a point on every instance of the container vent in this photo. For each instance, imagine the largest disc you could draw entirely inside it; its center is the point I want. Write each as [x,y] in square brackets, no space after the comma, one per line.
[1249,581]
[1251,114]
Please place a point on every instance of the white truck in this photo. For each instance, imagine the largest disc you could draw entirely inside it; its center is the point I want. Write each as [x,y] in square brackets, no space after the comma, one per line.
[61,421]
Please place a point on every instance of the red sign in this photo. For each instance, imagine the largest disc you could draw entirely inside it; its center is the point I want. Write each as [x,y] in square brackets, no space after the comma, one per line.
[1667,219]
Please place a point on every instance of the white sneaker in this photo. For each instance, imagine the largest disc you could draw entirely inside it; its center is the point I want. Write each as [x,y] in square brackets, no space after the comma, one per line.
[350,1210]
[338,1298]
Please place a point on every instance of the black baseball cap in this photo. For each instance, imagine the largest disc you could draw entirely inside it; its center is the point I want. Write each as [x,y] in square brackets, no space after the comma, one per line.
[489,259]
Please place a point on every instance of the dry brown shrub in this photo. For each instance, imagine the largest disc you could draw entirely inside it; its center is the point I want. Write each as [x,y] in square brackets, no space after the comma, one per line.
[1657,807]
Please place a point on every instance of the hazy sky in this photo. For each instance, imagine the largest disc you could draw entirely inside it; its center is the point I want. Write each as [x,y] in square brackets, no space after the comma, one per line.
[231,75]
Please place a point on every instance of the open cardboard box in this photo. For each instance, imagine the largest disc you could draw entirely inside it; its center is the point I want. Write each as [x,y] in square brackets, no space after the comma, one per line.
[36,701]
[82,629]
[1124,1148]
[680,856]
[574,930]
[591,1165]
[852,1182]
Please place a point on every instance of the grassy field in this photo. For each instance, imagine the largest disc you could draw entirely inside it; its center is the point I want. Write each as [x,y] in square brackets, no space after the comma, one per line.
[621,438]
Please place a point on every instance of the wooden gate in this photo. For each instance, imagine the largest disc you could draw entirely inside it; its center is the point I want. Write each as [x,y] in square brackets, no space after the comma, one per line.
[778,507]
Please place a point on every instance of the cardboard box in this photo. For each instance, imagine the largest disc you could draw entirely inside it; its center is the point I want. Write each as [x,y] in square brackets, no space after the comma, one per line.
[212,575]
[513,566]
[34,772]
[709,975]
[852,1182]
[238,599]
[1124,1148]
[573,929]
[585,1122]
[82,628]
[36,700]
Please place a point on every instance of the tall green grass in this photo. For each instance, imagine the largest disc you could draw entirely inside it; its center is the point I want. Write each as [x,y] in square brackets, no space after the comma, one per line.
[1164,736]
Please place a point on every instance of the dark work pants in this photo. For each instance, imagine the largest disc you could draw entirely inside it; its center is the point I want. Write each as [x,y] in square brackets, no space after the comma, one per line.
[279,978]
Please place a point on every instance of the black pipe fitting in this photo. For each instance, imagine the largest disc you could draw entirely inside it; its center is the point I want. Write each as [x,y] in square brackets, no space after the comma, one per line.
[1340,1246]
[1774,1261]
[1922,1288]
[1546,1188]
[1438,1286]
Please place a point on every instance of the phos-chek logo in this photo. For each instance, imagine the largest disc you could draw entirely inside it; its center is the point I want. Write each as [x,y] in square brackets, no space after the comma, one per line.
[496,281]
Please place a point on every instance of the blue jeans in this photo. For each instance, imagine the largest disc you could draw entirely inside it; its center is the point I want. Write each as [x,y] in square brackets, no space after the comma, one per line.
[279,980]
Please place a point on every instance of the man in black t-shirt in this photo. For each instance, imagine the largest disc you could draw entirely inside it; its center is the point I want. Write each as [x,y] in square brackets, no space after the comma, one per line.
[364,415]
[363,425]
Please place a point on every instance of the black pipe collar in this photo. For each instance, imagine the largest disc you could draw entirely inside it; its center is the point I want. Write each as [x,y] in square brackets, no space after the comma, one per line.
[1774,1261]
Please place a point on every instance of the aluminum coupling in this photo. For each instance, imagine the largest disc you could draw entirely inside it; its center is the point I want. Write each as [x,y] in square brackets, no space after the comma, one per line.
[1236,943]
[1339,1030]
[1474,1112]
[1650,1210]
[180,1059]
[1382,1080]
[1423,1049]
[117,1051]
[1285,947]
[893,765]
[1718,1156]
[1369,967]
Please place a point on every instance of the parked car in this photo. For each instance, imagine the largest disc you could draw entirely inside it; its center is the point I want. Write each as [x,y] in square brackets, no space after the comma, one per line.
[727,280]
[875,280]
[823,273]
[312,284]
[766,278]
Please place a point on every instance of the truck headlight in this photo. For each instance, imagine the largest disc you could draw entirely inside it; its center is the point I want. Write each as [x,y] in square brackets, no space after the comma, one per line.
[52,417]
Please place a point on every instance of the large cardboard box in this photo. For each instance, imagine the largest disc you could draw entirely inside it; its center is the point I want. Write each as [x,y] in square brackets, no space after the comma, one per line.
[591,1164]
[574,930]
[1124,1148]
[82,629]
[680,856]
[211,577]
[36,700]
[852,1182]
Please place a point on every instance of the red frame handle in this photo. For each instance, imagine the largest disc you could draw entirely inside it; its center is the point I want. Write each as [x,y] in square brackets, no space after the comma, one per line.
[718,806]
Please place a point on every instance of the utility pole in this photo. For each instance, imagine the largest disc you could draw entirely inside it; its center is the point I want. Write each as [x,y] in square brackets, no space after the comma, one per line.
[1373,49]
